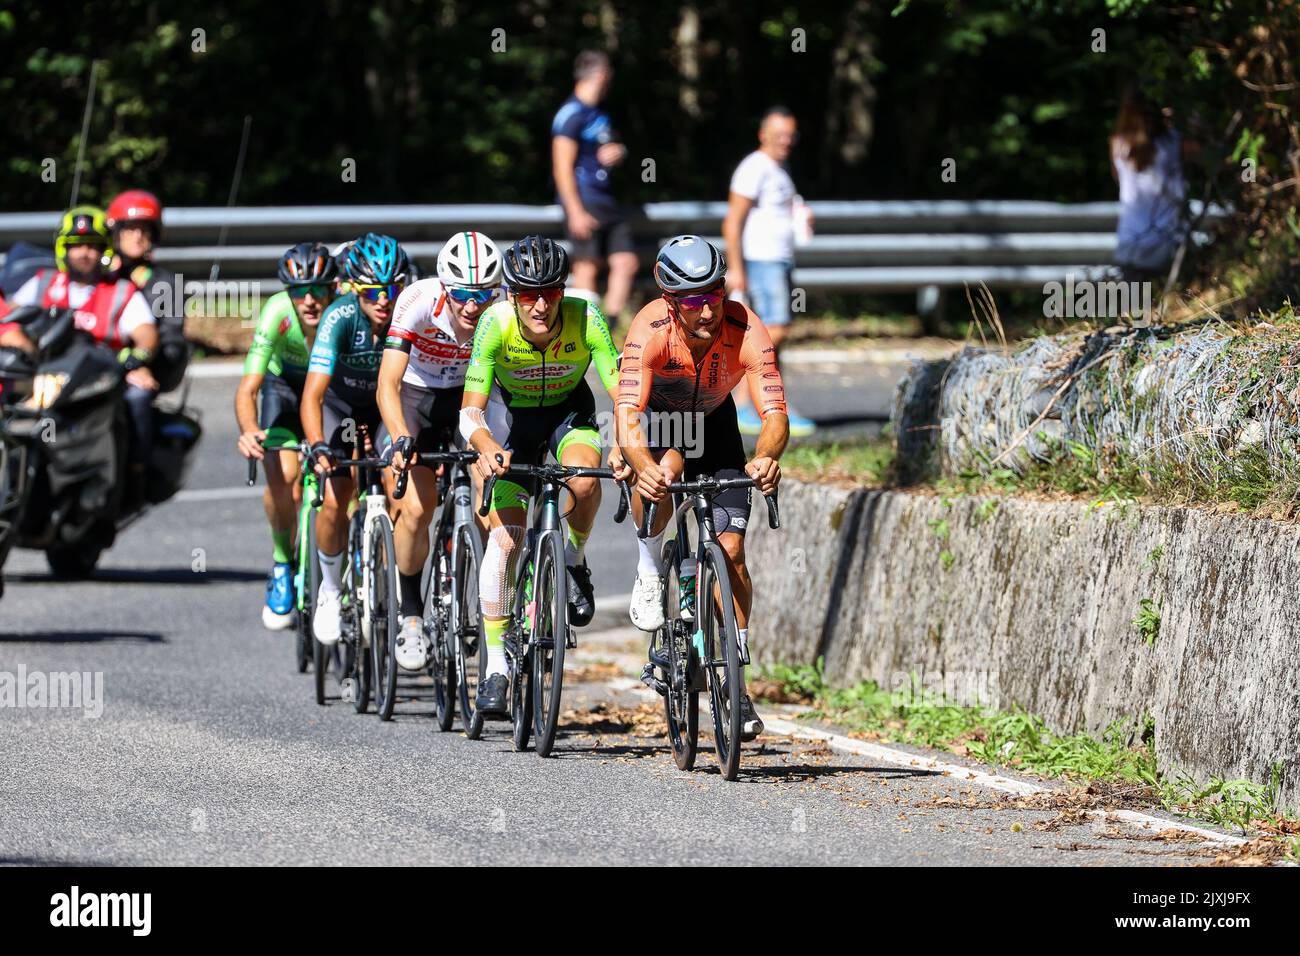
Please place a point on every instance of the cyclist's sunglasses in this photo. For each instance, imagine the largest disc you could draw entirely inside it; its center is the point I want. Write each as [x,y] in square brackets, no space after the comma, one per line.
[529,297]
[322,291]
[371,293]
[700,299]
[481,296]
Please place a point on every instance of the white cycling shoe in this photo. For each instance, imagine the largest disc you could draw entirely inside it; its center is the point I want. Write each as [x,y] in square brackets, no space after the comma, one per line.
[412,650]
[647,608]
[275,622]
[325,622]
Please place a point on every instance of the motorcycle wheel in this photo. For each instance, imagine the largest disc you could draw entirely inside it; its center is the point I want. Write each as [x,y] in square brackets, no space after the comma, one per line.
[73,562]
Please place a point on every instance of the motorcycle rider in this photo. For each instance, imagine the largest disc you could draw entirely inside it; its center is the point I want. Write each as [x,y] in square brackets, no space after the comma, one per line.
[112,311]
[134,221]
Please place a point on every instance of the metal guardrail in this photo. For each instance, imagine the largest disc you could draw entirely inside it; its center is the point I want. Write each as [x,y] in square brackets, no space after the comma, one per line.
[863,245]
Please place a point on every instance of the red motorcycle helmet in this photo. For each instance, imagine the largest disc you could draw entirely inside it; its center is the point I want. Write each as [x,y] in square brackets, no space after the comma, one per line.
[135,205]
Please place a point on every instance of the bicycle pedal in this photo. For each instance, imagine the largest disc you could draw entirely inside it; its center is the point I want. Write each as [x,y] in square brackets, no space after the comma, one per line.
[654,683]
[571,639]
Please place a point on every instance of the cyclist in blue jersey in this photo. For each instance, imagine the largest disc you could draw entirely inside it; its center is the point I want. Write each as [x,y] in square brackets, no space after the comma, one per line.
[339,407]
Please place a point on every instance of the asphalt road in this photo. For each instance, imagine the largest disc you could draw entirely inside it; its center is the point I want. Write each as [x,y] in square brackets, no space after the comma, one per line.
[210,748]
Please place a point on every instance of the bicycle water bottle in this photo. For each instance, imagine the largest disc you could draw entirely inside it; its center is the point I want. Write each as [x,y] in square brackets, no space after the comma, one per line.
[686,589]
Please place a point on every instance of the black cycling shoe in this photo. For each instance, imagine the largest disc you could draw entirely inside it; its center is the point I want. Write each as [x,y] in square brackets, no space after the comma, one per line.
[582,599]
[751,725]
[492,695]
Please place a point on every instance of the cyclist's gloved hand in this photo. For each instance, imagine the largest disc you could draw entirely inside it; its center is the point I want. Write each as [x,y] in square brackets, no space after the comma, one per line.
[652,483]
[618,464]
[766,474]
[250,444]
[404,452]
[323,457]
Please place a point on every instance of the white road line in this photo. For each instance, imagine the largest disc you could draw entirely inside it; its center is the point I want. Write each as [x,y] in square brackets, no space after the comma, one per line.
[220,368]
[218,494]
[901,758]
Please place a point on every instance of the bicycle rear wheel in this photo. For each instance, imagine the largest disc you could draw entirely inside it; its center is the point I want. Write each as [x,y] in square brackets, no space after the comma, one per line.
[310,559]
[550,595]
[437,624]
[468,642]
[382,610]
[357,654]
[722,654]
[681,703]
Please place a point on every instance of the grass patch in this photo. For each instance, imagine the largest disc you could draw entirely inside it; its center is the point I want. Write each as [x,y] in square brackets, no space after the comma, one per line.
[1016,739]
[868,462]
[1147,621]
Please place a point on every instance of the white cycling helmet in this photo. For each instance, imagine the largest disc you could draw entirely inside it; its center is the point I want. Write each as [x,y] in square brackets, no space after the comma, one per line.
[469,260]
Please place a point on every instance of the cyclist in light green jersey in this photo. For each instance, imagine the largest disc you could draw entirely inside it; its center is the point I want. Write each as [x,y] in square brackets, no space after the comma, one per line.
[525,395]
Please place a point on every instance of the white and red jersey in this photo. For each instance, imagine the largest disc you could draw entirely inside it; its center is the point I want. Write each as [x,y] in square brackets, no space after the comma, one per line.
[422,318]
[109,310]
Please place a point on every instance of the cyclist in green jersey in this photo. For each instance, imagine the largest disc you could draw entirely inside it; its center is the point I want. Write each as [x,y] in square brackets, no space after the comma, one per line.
[524,395]
[276,368]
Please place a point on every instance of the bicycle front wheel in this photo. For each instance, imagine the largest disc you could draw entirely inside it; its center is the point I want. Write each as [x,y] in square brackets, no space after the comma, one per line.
[722,654]
[468,641]
[682,702]
[382,610]
[437,623]
[550,595]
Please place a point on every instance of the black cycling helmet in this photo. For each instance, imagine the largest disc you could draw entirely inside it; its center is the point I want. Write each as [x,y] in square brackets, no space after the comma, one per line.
[307,263]
[535,262]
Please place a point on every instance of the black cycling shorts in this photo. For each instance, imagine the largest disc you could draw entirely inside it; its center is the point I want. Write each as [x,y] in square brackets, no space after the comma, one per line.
[433,416]
[719,452]
[343,422]
[279,406]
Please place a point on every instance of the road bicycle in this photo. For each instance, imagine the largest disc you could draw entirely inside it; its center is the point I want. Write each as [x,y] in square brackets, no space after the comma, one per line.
[539,632]
[451,611]
[698,650]
[370,573]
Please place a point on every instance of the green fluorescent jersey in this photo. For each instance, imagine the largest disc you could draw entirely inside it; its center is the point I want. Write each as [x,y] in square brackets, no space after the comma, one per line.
[279,345]
[530,376]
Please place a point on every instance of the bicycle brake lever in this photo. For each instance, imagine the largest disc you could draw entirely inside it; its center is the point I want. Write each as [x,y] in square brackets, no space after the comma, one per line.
[773,514]
[644,530]
[624,502]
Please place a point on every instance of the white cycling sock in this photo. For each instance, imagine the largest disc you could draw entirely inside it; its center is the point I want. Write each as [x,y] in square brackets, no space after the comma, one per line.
[649,555]
[496,662]
[331,566]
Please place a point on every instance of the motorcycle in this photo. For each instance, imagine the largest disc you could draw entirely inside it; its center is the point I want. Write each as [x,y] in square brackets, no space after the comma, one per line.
[65,443]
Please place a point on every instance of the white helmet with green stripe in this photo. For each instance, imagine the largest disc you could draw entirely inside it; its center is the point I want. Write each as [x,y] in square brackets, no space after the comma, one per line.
[469,260]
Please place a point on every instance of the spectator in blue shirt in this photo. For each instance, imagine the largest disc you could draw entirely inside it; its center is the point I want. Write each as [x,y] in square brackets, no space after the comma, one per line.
[584,148]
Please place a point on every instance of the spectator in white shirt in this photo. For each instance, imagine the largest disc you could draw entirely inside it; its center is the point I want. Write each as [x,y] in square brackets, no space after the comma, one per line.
[759,231]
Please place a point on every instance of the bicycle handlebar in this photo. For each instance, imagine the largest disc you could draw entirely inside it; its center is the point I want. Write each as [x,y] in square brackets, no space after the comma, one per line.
[552,473]
[711,486]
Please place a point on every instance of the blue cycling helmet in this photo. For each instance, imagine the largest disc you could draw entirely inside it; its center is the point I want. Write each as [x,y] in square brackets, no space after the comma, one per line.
[377,260]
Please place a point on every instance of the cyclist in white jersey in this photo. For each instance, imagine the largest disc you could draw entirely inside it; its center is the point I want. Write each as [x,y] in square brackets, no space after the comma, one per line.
[421,379]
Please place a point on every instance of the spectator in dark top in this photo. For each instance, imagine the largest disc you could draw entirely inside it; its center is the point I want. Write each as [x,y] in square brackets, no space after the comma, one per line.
[584,147]
[1146,156]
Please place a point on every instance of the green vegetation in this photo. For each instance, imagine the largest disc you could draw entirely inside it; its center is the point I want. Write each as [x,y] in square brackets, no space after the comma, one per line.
[867,462]
[1147,621]
[1015,739]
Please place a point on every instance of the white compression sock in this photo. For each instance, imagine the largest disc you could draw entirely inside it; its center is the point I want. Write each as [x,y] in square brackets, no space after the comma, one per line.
[496,662]
[330,567]
[649,555]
